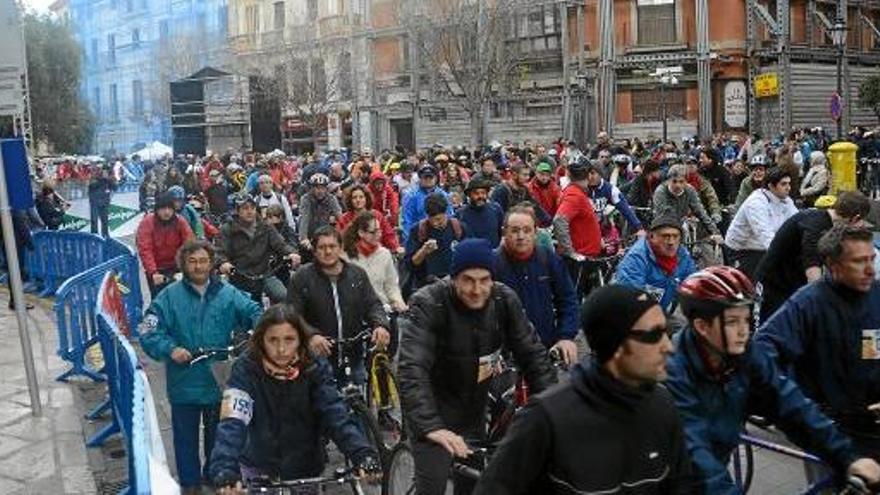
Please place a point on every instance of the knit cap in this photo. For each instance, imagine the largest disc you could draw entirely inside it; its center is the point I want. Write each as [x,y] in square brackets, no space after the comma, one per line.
[472,253]
[609,313]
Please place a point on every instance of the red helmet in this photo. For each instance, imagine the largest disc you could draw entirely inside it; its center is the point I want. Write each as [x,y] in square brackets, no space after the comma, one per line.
[710,291]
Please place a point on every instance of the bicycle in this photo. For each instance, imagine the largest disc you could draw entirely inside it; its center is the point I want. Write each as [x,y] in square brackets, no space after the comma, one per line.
[340,477]
[592,273]
[222,367]
[744,473]
[249,281]
[400,477]
[697,246]
[868,179]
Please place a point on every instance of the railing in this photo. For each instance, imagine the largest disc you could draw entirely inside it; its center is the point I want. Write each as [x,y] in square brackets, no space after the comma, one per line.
[128,387]
[57,256]
[76,298]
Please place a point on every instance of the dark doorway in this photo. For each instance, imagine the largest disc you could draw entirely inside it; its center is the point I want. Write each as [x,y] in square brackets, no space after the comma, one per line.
[402,134]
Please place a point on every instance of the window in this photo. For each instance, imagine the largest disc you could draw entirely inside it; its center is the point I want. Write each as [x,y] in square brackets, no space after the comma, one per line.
[538,29]
[163,30]
[647,104]
[136,37]
[343,76]
[96,102]
[312,9]
[656,22]
[319,79]
[114,104]
[137,95]
[252,19]
[111,48]
[279,15]
[405,47]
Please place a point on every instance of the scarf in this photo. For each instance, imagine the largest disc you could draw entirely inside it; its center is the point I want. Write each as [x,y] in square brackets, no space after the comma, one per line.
[285,373]
[365,249]
[666,263]
[694,180]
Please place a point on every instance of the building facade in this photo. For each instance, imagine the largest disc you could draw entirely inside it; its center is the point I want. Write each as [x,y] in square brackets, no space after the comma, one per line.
[132,50]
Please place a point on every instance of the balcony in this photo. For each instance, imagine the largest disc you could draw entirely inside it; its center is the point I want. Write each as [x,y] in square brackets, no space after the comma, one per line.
[338,25]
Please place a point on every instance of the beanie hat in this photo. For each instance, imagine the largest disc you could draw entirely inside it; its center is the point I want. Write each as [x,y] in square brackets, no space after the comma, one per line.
[472,253]
[667,218]
[609,313]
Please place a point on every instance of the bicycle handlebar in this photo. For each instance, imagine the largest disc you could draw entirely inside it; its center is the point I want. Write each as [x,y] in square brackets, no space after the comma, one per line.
[263,484]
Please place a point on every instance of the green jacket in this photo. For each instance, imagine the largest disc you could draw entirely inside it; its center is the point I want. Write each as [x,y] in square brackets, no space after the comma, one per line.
[180,317]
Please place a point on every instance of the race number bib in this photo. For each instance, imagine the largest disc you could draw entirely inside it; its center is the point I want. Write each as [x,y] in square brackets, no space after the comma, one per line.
[488,366]
[237,404]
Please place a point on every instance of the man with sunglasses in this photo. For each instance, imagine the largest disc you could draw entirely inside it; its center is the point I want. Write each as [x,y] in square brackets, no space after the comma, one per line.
[609,428]
[715,376]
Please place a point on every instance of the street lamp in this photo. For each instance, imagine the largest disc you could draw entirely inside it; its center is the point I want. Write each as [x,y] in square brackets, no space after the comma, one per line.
[666,76]
[838,37]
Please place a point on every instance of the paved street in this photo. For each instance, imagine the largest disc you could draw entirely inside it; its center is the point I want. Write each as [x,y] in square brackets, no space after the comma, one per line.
[47,454]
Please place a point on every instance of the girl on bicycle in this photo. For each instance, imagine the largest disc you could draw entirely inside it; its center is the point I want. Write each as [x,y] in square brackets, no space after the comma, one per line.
[278,404]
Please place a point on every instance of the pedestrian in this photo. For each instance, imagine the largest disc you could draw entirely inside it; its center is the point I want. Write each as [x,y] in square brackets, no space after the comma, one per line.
[101,190]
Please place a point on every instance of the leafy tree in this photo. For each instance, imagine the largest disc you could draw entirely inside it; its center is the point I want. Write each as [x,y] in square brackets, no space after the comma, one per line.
[61,118]
[869,95]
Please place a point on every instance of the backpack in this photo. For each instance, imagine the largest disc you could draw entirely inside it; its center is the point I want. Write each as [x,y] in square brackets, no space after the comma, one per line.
[457,230]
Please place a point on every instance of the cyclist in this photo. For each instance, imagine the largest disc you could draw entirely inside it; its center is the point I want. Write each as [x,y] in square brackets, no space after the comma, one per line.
[414,202]
[717,175]
[575,226]
[361,242]
[715,375]
[385,198]
[266,197]
[336,299]
[679,196]
[483,218]
[603,193]
[515,190]
[279,402]
[430,242]
[609,429]
[540,279]
[451,341]
[755,179]
[358,199]
[159,236]
[317,208]
[544,187]
[247,245]
[826,333]
[622,173]
[757,221]
[792,259]
[198,311]
[657,264]
[641,189]
[186,211]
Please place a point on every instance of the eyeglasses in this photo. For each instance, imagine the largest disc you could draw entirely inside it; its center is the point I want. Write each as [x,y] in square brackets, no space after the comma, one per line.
[651,336]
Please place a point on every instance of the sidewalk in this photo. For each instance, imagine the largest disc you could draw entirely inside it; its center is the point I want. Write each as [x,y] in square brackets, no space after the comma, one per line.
[47,454]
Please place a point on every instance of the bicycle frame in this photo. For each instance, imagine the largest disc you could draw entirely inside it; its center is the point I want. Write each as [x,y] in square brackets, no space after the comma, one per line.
[750,441]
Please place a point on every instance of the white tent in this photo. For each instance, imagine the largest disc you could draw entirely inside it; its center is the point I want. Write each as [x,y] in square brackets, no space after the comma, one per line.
[153,151]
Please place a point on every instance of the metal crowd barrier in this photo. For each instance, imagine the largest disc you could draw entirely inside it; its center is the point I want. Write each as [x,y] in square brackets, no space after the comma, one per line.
[75,306]
[57,256]
[127,384]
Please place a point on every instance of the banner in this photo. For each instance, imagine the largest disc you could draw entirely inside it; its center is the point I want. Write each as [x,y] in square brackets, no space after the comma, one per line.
[111,303]
[18,176]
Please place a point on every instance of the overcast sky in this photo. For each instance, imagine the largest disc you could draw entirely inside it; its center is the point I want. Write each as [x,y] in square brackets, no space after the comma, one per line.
[41,5]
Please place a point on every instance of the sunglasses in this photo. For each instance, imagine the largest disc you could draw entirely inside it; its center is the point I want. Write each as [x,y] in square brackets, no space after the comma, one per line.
[651,336]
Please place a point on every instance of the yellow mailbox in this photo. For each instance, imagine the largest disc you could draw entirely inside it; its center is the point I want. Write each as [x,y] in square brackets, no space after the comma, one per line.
[842,157]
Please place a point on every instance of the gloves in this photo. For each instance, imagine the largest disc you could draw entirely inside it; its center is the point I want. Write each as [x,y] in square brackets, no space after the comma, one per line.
[716,217]
[226,479]
[369,465]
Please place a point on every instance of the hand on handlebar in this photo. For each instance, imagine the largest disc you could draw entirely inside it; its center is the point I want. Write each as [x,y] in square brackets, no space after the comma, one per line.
[716,238]
[236,489]
[452,442]
[158,278]
[295,259]
[568,350]
[381,337]
[867,469]
[180,355]
[320,346]
[226,268]
[369,470]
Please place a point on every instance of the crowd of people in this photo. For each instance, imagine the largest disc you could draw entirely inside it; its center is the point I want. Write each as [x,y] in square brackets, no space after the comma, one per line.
[455,258]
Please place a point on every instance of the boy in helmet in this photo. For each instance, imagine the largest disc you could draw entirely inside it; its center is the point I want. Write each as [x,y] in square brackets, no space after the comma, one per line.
[715,375]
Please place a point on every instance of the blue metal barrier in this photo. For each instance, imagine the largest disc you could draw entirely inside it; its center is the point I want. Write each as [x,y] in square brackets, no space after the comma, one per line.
[75,311]
[58,256]
[126,385]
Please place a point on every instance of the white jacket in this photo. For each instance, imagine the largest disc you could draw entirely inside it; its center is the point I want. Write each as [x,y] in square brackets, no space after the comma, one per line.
[382,273]
[757,220]
[816,180]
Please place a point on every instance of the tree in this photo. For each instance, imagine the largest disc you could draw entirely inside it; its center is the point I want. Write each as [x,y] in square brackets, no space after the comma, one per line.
[61,117]
[869,95]
[471,47]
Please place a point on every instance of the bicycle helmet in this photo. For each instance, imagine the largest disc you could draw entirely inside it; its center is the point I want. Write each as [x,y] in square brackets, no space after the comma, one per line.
[177,193]
[621,159]
[710,291]
[582,164]
[758,161]
[242,199]
[319,180]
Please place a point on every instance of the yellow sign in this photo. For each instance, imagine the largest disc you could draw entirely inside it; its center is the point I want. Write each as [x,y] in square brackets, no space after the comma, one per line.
[766,84]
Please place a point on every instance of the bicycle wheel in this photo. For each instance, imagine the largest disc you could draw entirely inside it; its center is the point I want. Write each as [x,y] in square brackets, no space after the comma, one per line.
[371,429]
[400,475]
[389,416]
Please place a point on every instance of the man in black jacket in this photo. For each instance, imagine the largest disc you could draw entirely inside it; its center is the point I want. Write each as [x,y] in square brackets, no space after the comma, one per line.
[336,298]
[451,342]
[608,429]
[248,244]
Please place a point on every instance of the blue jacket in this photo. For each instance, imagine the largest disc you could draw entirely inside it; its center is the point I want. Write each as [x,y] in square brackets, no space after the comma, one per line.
[484,221]
[546,291]
[277,426]
[714,411]
[819,331]
[639,269]
[606,194]
[413,209]
[180,317]
[436,265]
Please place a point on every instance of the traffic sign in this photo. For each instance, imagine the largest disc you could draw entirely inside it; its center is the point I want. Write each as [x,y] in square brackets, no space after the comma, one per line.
[766,84]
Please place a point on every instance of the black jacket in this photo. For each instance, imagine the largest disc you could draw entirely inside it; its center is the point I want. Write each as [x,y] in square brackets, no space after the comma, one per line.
[592,434]
[276,426]
[440,348]
[251,254]
[311,293]
[721,182]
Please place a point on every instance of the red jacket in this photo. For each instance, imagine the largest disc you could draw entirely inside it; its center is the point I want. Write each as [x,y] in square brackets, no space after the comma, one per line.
[389,237]
[586,235]
[157,243]
[385,201]
[548,197]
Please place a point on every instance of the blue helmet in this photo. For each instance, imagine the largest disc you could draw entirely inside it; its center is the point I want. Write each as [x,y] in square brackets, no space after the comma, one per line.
[177,193]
